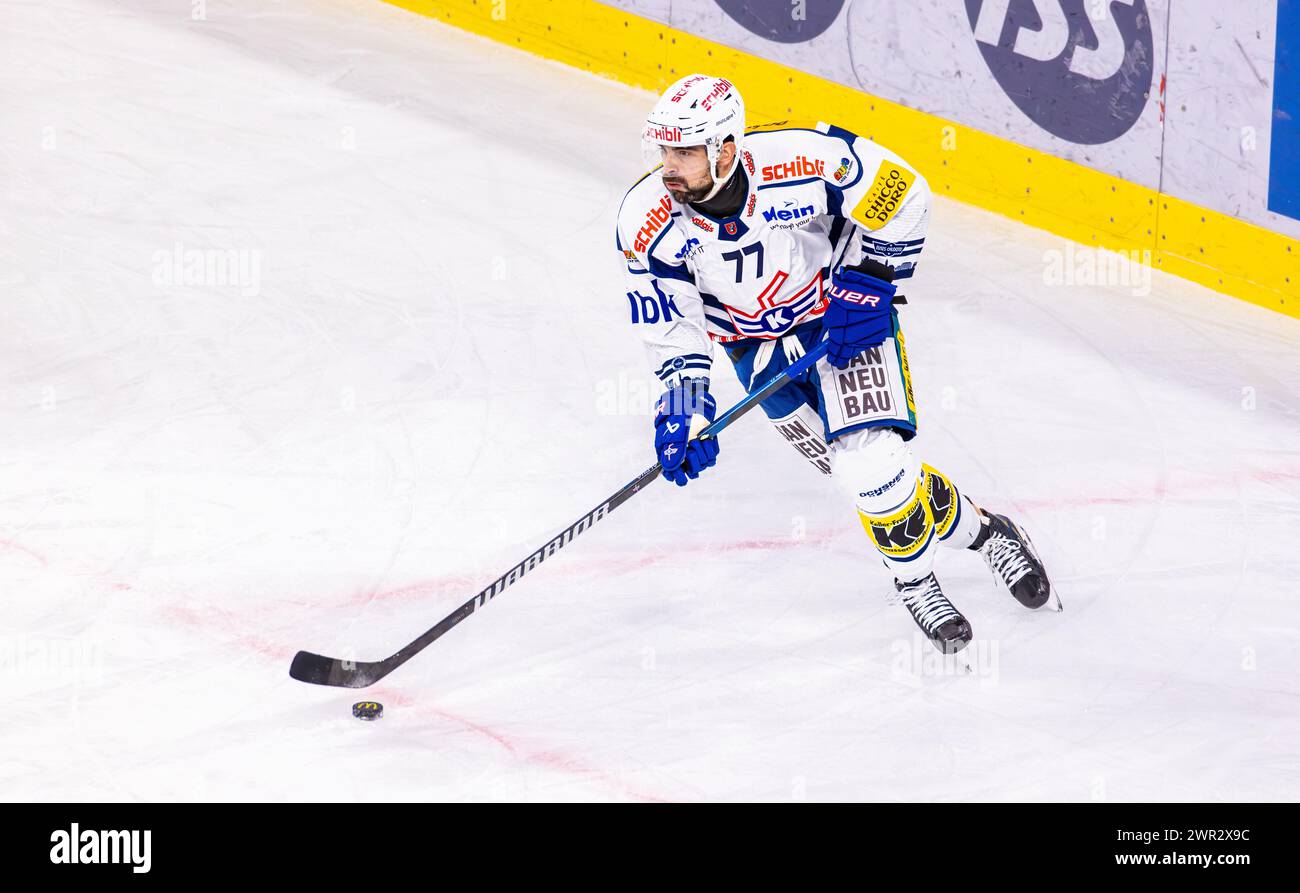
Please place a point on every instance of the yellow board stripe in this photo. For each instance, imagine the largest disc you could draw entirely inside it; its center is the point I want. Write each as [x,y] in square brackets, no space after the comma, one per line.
[1068,199]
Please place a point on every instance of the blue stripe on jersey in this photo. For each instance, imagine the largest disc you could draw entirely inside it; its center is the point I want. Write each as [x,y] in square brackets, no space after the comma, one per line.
[834,201]
[711,302]
[846,135]
[837,230]
[762,128]
[880,248]
[907,242]
[685,367]
[719,317]
[659,238]
[890,254]
[835,208]
[674,365]
[791,183]
[667,365]
[663,270]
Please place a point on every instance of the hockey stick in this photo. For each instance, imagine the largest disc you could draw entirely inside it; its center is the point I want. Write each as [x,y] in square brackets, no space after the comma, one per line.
[320,670]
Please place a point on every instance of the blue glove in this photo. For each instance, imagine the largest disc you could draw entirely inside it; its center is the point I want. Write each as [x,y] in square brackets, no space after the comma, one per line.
[682,458]
[859,314]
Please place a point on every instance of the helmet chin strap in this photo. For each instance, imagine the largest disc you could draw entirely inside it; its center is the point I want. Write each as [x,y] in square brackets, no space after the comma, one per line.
[719,181]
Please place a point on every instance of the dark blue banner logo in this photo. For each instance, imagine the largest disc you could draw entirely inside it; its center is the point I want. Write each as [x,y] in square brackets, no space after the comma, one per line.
[784,21]
[1084,78]
[1284,160]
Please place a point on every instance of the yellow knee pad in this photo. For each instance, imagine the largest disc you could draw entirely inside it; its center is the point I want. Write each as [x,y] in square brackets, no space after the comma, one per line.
[905,532]
[942,497]
[929,513]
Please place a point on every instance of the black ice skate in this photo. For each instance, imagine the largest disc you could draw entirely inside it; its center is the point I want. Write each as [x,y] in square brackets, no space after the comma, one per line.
[1011,557]
[934,614]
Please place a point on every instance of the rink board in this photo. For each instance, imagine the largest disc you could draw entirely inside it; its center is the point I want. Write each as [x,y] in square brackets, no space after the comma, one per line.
[1069,199]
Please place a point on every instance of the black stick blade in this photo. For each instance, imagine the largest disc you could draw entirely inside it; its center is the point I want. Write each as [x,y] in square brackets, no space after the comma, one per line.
[320,670]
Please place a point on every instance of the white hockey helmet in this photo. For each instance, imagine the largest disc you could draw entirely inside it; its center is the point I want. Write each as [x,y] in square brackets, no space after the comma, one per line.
[698,110]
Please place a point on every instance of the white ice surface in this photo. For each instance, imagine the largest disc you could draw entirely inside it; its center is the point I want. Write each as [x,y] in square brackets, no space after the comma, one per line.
[436,373]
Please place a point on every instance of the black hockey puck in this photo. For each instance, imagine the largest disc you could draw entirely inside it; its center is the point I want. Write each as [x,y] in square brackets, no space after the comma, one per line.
[367,710]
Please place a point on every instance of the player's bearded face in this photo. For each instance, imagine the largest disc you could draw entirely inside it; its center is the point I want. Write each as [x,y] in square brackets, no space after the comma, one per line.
[686,173]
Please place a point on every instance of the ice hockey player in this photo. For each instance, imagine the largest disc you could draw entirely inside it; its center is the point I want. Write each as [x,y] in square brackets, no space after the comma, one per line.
[768,241]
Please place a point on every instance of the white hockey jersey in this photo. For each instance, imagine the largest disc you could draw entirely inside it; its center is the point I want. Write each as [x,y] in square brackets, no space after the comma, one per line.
[817,197]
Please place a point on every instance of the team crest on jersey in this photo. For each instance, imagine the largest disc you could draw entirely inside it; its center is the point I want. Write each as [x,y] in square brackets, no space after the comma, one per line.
[775,316]
[730,227]
[842,171]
